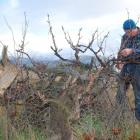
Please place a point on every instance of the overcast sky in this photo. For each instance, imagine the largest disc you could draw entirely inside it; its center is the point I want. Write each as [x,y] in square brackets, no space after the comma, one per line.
[106,15]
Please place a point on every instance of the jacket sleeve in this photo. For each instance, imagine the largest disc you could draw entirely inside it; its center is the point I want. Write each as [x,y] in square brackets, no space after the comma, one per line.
[136,48]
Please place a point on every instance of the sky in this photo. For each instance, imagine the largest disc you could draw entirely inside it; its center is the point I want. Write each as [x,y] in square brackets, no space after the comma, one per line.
[104,15]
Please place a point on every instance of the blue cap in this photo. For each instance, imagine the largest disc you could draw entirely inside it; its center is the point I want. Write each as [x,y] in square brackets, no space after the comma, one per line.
[129,24]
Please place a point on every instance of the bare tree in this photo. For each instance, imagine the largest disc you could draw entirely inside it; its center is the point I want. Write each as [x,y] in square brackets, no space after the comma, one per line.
[78,48]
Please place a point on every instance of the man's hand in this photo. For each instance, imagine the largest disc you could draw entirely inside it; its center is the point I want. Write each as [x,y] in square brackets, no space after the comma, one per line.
[126,52]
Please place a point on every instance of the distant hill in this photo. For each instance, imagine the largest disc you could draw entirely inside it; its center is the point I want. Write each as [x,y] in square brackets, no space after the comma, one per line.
[52,62]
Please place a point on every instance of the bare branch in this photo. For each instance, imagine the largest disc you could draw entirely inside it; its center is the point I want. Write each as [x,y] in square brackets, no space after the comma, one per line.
[10,28]
[2,44]
[22,52]
[92,50]
[138,20]
[55,48]
[128,14]
[22,45]
[79,37]
[53,37]
[68,39]
[78,48]
[86,47]
[101,44]
[98,58]
[59,56]
[32,62]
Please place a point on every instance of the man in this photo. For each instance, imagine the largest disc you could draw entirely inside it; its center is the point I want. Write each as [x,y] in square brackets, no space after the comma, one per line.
[130,71]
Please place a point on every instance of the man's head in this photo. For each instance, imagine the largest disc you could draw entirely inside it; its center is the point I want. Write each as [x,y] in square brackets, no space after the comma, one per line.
[129,24]
[130,27]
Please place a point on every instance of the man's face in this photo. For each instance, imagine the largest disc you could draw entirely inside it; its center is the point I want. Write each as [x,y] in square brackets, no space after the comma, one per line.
[130,32]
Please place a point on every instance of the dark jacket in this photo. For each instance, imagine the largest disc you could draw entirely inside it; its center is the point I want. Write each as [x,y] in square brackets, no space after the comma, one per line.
[134,43]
